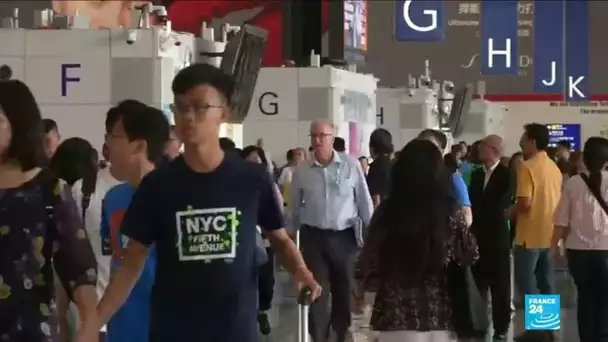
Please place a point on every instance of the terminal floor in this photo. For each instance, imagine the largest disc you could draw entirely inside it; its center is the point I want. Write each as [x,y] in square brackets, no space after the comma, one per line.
[284,316]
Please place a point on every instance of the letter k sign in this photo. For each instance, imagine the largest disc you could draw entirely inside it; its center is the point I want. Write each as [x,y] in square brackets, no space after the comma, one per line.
[419,20]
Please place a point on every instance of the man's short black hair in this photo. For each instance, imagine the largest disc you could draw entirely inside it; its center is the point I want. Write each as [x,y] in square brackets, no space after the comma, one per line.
[290,154]
[339,144]
[148,124]
[73,158]
[434,134]
[564,144]
[458,148]
[226,144]
[116,112]
[20,108]
[203,74]
[49,126]
[539,134]
[381,142]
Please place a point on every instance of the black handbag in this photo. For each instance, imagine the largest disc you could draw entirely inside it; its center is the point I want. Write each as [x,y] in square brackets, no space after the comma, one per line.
[469,309]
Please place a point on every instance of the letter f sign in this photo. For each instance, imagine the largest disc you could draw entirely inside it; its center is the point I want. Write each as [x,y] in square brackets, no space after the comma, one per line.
[419,20]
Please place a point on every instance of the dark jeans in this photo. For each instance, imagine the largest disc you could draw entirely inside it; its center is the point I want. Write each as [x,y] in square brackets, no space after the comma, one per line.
[493,274]
[266,282]
[533,271]
[330,255]
[590,272]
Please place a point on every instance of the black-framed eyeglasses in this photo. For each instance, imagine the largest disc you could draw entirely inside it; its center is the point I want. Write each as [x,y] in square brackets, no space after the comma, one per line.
[196,108]
[320,135]
[110,136]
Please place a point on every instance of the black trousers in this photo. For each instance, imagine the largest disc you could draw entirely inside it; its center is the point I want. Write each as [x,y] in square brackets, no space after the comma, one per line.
[493,274]
[589,269]
[266,282]
[330,255]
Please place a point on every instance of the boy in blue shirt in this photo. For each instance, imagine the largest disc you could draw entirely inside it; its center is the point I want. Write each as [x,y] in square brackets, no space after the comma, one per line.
[138,139]
[461,192]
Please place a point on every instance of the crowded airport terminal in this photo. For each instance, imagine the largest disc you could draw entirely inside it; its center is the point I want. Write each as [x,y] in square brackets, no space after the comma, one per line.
[368,171]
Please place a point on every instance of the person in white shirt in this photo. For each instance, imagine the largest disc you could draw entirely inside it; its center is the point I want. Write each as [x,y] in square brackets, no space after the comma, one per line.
[294,158]
[92,218]
[581,219]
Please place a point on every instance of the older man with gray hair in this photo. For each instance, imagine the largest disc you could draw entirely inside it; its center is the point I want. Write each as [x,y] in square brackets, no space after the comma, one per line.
[491,193]
[330,204]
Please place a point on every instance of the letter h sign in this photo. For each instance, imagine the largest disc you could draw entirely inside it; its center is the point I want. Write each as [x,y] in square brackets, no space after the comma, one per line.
[499,28]
[419,20]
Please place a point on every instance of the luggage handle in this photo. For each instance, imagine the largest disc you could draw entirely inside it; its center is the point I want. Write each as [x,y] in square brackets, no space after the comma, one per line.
[304,301]
[304,298]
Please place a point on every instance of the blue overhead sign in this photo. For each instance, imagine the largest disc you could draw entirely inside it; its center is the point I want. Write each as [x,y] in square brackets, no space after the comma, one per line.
[499,29]
[419,20]
[549,47]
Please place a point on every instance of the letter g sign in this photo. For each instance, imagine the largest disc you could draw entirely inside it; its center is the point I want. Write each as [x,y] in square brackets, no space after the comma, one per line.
[419,20]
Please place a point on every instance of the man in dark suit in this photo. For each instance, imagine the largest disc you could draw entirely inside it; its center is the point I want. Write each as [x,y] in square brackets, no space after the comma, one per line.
[490,191]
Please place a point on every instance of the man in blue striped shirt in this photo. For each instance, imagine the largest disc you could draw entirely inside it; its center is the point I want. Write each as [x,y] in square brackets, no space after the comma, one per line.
[330,204]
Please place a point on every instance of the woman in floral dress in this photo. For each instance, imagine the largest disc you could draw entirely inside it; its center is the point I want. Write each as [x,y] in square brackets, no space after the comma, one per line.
[40,230]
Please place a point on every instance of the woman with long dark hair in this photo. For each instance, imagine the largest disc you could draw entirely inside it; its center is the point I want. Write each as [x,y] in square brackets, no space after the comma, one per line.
[413,238]
[41,231]
[73,160]
[581,219]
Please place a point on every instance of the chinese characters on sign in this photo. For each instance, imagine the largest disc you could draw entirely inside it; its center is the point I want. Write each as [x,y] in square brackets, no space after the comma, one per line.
[468,8]
[538,42]
[593,107]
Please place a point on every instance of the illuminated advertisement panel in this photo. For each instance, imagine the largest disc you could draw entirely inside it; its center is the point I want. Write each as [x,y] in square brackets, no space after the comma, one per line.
[355,25]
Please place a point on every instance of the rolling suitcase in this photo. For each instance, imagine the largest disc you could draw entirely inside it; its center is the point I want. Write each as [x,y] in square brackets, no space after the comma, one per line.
[303,308]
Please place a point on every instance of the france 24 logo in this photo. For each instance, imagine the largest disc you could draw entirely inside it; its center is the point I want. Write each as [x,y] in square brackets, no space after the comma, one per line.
[542,312]
[419,20]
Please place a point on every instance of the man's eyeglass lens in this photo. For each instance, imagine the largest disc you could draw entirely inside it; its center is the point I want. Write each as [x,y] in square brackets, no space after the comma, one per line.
[196,108]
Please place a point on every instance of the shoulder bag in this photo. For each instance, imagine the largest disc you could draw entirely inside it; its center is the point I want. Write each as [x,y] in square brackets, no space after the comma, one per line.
[600,200]
[469,309]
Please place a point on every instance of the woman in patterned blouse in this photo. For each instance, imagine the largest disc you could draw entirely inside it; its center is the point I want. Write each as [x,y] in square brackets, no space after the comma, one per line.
[40,229]
[413,237]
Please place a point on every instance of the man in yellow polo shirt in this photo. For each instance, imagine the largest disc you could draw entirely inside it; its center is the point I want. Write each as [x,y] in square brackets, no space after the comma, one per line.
[539,184]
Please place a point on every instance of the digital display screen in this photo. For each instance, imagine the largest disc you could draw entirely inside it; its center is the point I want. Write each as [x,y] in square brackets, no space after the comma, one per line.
[355,25]
[567,132]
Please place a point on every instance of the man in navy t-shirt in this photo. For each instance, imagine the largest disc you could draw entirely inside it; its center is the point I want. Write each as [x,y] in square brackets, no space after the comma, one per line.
[201,212]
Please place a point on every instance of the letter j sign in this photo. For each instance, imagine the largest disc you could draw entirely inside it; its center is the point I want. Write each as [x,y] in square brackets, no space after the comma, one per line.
[419,20]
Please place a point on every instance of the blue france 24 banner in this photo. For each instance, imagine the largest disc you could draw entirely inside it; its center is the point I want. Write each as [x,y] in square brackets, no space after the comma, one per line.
[419,20]
[499,41]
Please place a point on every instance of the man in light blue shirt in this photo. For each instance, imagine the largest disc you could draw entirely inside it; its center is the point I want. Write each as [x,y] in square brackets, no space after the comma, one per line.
[330,204]
[460,188]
